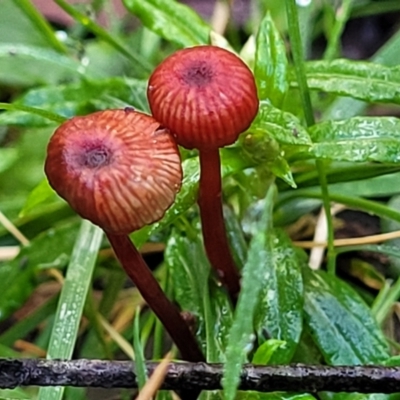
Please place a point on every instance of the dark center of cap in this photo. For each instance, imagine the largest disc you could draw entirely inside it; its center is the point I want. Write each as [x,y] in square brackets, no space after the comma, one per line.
[94,156]
[199,74]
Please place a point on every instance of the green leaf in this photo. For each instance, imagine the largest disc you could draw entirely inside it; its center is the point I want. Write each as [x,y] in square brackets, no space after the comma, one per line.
[14,394]
[353,396]
[33,112]
[285,396]
[190,272]
[281,169]
[271,63]
[40,23]
[361,80]
[139,365]
[102,33]
[264,352]
[241,335]
[340,322]
[357,139]
[282,126]
[41,195]
[78,99]
[17,277]
[280,311]
[171,20]
[7,157]
[72,300]
[24,65]
[346,107]
[17,26]
[236,237]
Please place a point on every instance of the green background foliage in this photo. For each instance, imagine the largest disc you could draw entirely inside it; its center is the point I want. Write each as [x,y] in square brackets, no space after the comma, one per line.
[283,167]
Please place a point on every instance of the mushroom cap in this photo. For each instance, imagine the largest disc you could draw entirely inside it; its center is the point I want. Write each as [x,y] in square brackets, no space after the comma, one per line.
[116,168]
[205,95]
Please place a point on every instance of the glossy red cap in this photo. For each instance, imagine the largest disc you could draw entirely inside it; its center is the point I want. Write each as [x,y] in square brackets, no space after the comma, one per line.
[205,95]
[116,168]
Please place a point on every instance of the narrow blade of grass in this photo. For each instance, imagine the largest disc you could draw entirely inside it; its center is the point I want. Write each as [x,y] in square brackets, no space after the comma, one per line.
[241,334]
[140,366]
[72,300]
[104,35]
[41,24]
[35,111]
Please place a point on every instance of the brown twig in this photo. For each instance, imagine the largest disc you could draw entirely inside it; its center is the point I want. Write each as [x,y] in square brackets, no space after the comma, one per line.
[200,376]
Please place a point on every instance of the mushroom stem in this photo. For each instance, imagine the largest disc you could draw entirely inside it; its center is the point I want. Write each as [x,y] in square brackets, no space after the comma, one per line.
[138,271]
[212,220]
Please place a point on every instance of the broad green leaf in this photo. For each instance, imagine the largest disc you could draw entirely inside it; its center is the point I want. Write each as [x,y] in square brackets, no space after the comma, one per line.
[25,65]
[14,394]
[41,195]
[190,272]
[307,351]
[361,80]
[72,300]
[280,312]
[346,107]
[249,395]
[389,225]
[270,68]
[284,396]
[171,20]
[340,322]
[357,139]
[264,352]
[353,396]
[78,99]
[17,277]
[241,335]
[379,186]
[7,157]
[282,126]
[236,237]
[348,172]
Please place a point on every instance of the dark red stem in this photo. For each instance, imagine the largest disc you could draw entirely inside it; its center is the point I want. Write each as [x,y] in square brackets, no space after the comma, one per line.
[168,314]
[212,221]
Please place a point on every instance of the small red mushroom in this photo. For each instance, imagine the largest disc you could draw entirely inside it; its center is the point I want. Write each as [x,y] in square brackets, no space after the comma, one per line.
[206,96]
[121,170]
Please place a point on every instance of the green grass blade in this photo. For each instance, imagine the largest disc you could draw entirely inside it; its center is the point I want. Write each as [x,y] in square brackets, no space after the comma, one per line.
[72,300]
[33,110]
[342,15]
[41,24]
[104,35]
[140,366]
[241,334]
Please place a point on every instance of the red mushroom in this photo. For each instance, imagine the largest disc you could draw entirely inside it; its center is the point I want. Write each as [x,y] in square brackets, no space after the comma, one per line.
[206,96]
[121,170]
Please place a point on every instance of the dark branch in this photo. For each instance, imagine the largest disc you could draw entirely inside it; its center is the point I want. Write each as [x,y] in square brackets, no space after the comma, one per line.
[199,376]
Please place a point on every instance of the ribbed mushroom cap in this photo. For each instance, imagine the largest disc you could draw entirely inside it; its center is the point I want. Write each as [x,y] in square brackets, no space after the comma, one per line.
[205,95]
[116,168]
